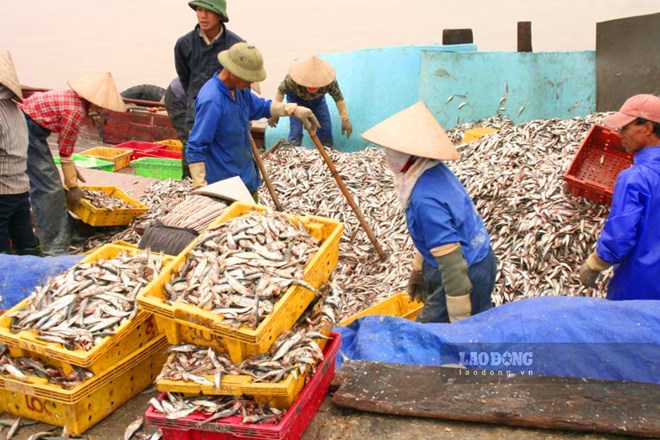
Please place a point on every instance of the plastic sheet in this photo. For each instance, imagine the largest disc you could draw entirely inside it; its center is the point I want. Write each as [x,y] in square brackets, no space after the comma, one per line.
[19,275]
[559,336]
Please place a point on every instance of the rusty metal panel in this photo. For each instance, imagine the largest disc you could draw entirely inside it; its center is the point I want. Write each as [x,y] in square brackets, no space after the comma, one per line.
[627,59]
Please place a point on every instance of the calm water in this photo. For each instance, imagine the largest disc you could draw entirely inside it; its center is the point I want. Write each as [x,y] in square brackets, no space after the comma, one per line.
[52,41]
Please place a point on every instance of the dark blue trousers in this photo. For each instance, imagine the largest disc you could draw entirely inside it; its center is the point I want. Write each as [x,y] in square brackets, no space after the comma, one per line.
[53,224]
[15,223]
[320,109]
[482,276]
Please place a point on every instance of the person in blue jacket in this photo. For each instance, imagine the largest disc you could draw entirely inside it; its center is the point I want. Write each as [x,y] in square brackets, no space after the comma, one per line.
[219,143]
[454,270]
[630,239]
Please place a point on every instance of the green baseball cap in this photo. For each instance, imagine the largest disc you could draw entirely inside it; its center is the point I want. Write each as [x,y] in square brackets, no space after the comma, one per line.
[217,6]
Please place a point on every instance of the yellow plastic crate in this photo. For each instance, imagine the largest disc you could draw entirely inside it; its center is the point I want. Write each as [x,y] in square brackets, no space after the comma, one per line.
[320,266]
[121,157]
[398,305]
[477,133]
[185,323]
[94,216]
[90,402]
[172,144]
[128,337]
[280,395]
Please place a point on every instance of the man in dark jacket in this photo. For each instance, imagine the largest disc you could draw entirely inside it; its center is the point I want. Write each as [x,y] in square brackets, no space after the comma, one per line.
[196,56]
[196,53]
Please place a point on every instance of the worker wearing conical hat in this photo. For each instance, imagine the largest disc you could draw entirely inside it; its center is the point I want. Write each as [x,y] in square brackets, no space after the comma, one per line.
[15,221]
[62,112]
[454,269]
[308,81]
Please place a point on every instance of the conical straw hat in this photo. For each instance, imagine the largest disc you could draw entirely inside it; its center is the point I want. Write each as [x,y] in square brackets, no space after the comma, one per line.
[311,72]
[8,77]
[99,89]
[413,131]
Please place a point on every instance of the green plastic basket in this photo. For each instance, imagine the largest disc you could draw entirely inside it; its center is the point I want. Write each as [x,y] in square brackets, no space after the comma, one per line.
[157,168]
[89,162]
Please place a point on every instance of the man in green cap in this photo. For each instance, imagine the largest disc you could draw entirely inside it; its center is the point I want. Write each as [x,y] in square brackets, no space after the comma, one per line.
[196,53]
[219,144]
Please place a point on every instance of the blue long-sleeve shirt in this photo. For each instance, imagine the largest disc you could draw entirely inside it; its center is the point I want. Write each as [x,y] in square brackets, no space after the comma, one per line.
[630,239]
[441,212]
[220,135]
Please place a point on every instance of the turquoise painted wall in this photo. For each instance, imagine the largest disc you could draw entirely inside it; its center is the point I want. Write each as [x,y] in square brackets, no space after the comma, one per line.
[376,83]
[540,85]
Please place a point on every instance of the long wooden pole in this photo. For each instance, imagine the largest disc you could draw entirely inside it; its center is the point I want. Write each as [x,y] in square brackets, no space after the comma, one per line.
[273,149]
[262,168]
[347,194]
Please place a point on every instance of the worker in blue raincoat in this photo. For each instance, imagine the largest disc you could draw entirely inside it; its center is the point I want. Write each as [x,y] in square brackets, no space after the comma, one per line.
[454,269]
[219,144]
[630,239]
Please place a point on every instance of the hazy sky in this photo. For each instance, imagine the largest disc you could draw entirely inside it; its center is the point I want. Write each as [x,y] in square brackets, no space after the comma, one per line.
[52,41]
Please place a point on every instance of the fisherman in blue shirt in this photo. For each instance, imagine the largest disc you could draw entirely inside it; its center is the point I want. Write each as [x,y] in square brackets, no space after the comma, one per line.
[630,239]
[219,143]
[454,269]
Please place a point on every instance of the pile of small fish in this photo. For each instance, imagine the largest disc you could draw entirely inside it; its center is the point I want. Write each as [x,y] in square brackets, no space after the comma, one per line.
[82,305]
[241,268]
[99,199]
[515,176]
[176,405]
[21,367]
[295,352]
[195,212]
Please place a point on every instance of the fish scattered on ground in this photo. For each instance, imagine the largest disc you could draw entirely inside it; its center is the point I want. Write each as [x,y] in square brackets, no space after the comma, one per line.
[133,428]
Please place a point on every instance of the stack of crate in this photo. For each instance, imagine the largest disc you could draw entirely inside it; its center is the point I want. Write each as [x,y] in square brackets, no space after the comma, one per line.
[123,364]
[187,324]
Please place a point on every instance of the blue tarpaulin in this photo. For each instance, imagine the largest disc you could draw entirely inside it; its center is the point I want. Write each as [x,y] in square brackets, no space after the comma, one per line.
[19,275]
[558,336]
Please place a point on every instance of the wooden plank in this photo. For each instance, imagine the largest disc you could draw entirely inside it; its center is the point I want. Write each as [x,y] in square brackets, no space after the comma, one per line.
[491,397]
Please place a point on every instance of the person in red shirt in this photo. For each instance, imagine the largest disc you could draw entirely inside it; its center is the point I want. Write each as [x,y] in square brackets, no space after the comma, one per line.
[61,111]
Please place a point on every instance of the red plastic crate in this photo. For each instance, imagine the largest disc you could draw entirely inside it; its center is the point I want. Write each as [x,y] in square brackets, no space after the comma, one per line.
[162,153]
[139,148]
[596,165]
[291,427]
